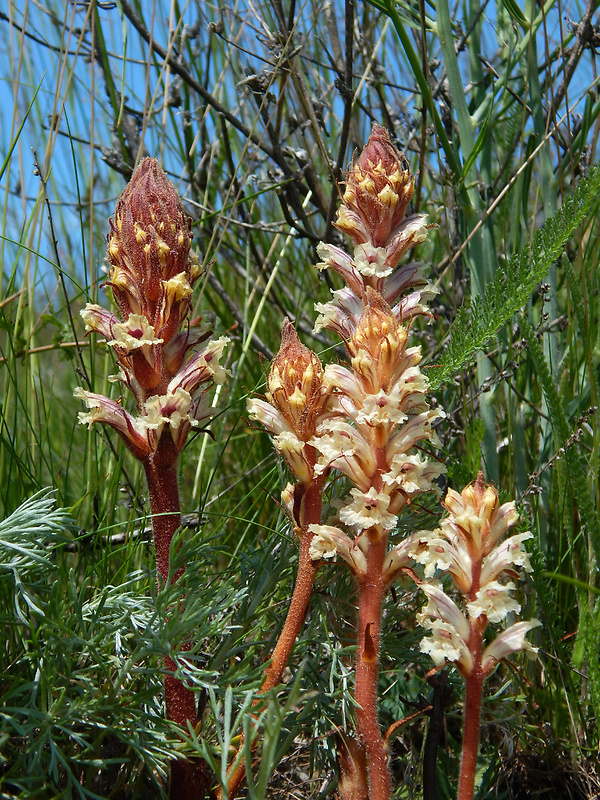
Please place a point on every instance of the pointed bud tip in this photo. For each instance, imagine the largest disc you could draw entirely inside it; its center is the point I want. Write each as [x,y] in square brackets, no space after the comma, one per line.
[379,187]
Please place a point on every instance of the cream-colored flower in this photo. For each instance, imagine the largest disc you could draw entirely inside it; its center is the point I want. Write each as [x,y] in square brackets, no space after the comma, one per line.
[341,314]
[202,368]
[413,474]
[343,447]
[171,408]
[381,409]
[509,641]
[505,556]
[99,319]
[293,450]
[434,553]
[367,510]
[138,434]
[445,644]
[133,334]
[493,600]
[417,429]
[329,541]
[371,261]
[449,626]
[397,558]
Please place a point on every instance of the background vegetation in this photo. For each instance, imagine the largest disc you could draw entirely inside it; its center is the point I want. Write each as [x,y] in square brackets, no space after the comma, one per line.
[255,109]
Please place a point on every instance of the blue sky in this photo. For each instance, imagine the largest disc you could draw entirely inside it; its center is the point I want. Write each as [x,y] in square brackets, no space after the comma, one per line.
[34,62]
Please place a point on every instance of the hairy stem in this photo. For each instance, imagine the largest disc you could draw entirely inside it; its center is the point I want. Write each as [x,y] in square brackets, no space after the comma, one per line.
[309,513]
[188,781]
[307,569]
[473,696]
[163,489]
[369,623]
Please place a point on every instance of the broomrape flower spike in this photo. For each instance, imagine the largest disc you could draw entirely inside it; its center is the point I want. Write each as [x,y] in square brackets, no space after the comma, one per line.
[379,188]
[152,271]
[297,402]
[471,547]
[380,415]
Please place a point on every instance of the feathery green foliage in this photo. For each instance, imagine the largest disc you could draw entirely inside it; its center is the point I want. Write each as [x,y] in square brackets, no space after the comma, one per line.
[512,286]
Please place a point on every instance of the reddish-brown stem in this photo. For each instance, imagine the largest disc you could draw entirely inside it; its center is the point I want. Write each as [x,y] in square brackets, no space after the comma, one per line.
[473,692]
[310,512]
[307,569]
[353,783]
[163,489]
[188,781]
[473,695]
[369,622]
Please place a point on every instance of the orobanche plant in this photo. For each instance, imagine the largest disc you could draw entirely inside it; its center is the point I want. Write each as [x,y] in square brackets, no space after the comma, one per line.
[368,423]
[371,422]
[152,271]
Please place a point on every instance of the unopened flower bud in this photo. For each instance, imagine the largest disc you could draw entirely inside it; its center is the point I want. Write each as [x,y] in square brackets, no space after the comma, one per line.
[377,344]
[378,190]
[295,383]
[476,517]
[151,269]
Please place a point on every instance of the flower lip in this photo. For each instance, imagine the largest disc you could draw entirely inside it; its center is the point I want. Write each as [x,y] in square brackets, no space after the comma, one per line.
[367,510]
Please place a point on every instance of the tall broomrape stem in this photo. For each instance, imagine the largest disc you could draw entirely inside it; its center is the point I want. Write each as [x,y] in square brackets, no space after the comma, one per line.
[151,275]
[296,402]
[371,593]
[382,419]
[473,699]
[303,588]
[305,579]
[163,492]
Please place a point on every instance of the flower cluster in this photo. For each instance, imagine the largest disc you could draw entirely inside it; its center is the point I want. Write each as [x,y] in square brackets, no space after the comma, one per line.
[370,421]
[152,271]
[469,545]
[297,402]
[378,190]
[381,413]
